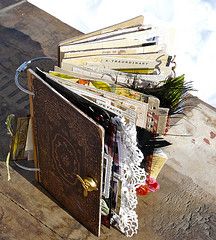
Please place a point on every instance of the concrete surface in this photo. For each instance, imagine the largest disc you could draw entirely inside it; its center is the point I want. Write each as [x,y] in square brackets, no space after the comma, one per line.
[194,153]
[183,209]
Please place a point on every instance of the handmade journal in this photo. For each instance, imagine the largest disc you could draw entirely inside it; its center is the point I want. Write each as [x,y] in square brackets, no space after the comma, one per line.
[97,122]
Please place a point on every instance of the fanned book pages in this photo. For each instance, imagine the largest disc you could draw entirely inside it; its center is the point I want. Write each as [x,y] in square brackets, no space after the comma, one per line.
[98,120]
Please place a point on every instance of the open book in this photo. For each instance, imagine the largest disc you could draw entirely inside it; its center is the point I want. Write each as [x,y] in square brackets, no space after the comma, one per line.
[97,124]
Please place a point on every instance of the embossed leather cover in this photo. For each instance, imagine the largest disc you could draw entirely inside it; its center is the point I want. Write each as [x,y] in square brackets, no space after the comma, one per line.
[67,142]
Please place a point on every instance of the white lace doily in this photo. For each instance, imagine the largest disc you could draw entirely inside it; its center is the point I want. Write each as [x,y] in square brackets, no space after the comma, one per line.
[132,176]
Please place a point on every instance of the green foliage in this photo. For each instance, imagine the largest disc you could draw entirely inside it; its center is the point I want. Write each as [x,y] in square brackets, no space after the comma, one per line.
[171,93]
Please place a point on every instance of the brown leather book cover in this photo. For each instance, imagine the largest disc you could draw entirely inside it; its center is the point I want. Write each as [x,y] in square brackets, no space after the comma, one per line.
[68,143]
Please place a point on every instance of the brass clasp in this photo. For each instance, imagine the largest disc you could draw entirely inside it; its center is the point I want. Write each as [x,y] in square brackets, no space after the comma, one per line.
[88,184]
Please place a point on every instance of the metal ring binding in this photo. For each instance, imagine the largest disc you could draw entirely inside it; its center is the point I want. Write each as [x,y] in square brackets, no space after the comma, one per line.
[23,67]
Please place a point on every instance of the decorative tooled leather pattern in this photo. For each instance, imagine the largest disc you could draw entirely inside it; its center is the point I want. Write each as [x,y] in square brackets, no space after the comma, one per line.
[68,143]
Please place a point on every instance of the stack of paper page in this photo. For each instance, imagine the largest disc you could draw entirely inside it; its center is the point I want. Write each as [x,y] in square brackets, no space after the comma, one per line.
[98,120]
[116,59]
